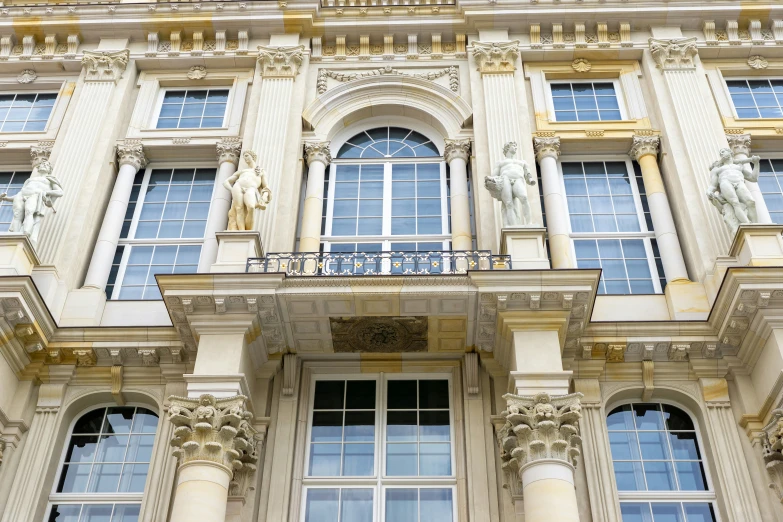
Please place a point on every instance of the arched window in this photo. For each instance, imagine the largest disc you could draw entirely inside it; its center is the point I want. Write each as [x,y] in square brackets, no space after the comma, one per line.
[658,465]
[105,466]
[387,190]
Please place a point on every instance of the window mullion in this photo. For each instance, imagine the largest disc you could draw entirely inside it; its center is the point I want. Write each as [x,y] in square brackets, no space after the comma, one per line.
[387,199]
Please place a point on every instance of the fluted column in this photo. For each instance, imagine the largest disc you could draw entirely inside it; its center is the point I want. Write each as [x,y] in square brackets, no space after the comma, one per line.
[645,151]
[213,440]
[228,151]
[740,147]
[130,158]
[539,444]
[456,154]
[547,152]
[318,158]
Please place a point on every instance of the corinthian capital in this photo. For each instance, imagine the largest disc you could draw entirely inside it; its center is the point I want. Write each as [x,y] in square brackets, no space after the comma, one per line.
[213,430]
[496,57]
[677,53]
[318,151]
[131,153]
[457,149]
[104,66]
[280,62]
[739,143]
[537,428]
[229,149]
[546,147]
[40,152]
[773,452]
[643,146]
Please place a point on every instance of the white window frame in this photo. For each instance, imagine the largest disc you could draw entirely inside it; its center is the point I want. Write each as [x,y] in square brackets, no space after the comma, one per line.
[125,242]
[97,498]
[379,482]
[709,496]
[725,85]
[644,234]
[48,120]
[771,157]
[162,95]
[618,94]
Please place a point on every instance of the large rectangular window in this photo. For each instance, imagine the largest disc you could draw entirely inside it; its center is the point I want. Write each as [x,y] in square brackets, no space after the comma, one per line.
[761,98]
[380,450]
[585,101]
[771,185]
[28,112]
[193,109]
[611,226]
[163,230]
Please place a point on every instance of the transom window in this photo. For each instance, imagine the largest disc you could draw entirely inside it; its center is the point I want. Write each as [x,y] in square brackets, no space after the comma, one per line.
[26,112]
[771,185]
[163,230]
[611,226]
[105,466]
[11,182]
[757,98]
[658,465]
[387,189]
[585,101]
[380,450]
[193,109]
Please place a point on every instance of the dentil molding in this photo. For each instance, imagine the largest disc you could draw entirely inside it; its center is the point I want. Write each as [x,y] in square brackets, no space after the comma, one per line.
[677,53]
[496,57]
[280,62]
[104,66]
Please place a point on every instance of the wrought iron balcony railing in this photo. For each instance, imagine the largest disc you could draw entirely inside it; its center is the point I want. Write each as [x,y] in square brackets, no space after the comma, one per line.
[378,263]
[383,3]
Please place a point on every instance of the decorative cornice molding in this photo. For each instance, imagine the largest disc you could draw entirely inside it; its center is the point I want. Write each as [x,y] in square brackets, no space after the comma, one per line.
[229,149]
[318,151]
[677,53]
[546,147]
[280,62]
[323,74]
[104,66]
[644,146]
[496,57]
[130,152]
[739,143]
[41,152]
[457,149]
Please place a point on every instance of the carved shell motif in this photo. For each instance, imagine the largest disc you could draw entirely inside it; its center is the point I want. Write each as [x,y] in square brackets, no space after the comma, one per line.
[581,65]
[757,62]
[197,72]
[27,76]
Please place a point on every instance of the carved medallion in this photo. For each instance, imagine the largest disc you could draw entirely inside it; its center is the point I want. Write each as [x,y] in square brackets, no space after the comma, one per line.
[27,76]
[581,65]
[379,334]
[757,62]
[197,72]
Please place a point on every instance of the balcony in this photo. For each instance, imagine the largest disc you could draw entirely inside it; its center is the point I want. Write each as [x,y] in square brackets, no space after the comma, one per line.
[384,3]
[378,263]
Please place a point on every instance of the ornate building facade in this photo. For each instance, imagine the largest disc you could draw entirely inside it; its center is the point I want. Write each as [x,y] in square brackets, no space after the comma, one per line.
[391,261]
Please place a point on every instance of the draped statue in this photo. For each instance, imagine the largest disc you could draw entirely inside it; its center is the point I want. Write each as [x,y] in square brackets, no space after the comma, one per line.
[249,191]
[30,204]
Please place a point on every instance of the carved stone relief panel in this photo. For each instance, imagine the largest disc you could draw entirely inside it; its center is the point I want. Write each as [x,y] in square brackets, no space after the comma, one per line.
[379,334]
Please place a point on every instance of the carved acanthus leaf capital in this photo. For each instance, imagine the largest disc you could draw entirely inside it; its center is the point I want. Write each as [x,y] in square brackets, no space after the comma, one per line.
[213,430]
[496,57]
[131,153]
[644,146]
[457,149]
[318,151]
[539,427]
[546,147]
[104,66]
[41,152]
[229,149]
[280,62]
[739,143]
[773,452]
[677,53]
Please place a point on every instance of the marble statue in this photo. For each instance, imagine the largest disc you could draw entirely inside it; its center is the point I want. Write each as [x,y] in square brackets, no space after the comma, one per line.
[507,185]
[249,191]
[727,190]
[29,205]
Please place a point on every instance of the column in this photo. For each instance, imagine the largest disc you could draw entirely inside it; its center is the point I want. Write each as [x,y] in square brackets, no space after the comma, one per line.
[547,152]
[213,440]
[740,147]
[456,154]
[318,158]
[228,151]
[130,158]
[645,151]
[279,67]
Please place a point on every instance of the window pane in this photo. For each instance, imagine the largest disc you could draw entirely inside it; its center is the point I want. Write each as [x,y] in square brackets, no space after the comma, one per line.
[699,512]
[660,476]
[401,505]
[653,445]
[65,513]
[327,426]
[433,426]
[358,460]
[667,512]
[134,476]
[629,476]
[360,395]
[356,505]
[111,448]
[434,460]
[401,460]
[436,505]
[325,460]
[684,446]
[433,394]
[97,513]
[401,426]
[691,476]
[322,505]
[621,418]
[648,417]
[126,513]
[633,512]
[401,394]
[105,478]
[624,445]
[73,478]
[81,449]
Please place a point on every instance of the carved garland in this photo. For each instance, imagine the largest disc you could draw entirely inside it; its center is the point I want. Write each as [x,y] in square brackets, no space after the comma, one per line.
[323,74]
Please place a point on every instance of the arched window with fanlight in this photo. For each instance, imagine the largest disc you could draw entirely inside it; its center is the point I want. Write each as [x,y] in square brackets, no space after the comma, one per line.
[387,190]
[658,465]
[104,466]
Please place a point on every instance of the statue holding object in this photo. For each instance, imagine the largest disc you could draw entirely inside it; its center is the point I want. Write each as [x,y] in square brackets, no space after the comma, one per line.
[727,190]
[249,191]
[29,205]
[507,185]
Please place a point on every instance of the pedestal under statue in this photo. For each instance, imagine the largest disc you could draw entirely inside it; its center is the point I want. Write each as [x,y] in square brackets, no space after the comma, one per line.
[727,190]
[249,191]
[37,194]
[507,185]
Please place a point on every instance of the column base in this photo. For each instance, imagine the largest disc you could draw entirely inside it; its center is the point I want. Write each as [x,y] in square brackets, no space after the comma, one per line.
[17,255]
[526,247]
[758,245]
[687,301]
[234,248]
[529,384]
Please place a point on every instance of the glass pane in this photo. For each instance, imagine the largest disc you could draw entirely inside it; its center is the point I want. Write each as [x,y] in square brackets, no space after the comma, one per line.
[401,426]
[329,395]
[401,460]
[105,478]
[624,445]
[358,460]
[126,513]
[629,476]
[140,448]
[699,512]
[134,476]
[360,395]
[359,426]
[434,460]
[648,417]
[327,426]
[433,394]
[356,505]
[660,476]
[81,448]
[401,505]
[434,426]
[401,395]
[676,419]
[322,505]
[436,505]
[97,513]
[653,445]
[74,478]
[691,476]
[633,512]
[325,460]
[111,448]
[684,446]
[667,512]
[621,418]
[65,513]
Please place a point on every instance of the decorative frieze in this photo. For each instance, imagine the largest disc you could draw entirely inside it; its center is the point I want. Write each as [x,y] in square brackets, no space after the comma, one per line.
[213,430]
[130,152]
[325,74]
[457,149]
[677,53]
[280,62]
[229,149]
[546,147]
[104,66]
[85,357]
[318,151]
[644,146]
[496,57]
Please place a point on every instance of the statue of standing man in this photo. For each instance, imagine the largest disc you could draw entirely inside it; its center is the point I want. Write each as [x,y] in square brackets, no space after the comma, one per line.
[727,190]
[249,191]
[29,205]
[507,185]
